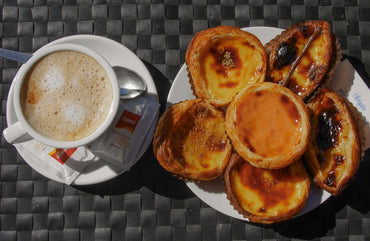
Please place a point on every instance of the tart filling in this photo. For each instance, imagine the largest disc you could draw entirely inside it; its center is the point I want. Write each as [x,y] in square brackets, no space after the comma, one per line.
[268,125]
[222,61]
[263,195]
[228,64]
[268,131]
[301,57]
[191,141]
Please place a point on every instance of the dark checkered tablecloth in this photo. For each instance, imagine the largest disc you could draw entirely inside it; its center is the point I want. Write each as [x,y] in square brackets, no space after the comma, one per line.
[147,203]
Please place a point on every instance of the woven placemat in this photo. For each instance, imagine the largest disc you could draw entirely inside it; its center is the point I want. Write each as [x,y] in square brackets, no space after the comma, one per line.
[147,203]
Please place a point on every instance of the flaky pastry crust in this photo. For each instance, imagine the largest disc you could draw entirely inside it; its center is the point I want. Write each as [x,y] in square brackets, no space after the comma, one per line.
[191,142]
[303,56]
[333,152]
[266,196]
[223,60]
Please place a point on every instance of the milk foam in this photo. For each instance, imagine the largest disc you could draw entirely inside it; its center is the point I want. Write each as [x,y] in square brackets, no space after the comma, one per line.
[67,96]
[53,78]
[75,114]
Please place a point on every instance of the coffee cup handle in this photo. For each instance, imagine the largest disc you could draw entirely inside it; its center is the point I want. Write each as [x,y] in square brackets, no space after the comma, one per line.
[14,132]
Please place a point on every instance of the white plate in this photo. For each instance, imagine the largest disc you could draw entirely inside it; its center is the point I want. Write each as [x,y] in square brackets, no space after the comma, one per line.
[213,192]
[117,55]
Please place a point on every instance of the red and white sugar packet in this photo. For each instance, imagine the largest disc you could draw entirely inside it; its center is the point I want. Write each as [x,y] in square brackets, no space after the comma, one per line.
[120,145]
[62,165]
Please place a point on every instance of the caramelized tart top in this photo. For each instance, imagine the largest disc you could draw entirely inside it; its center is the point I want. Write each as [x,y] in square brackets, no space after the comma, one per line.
[263,195]
[268,131]
[268,125]
[191,142]
[223,60]
[333,153]
[301,56]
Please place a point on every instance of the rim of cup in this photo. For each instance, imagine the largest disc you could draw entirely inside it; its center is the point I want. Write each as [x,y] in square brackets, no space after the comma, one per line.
[25,68]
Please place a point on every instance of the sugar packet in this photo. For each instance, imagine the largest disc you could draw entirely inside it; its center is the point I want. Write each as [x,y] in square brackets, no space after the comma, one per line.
[63,165]
[121,143]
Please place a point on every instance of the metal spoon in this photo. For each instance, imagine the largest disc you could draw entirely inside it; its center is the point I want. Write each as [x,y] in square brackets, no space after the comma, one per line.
[131,84]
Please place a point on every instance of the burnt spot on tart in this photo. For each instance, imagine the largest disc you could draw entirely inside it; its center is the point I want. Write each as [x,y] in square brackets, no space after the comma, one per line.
[286,53]
[329,126]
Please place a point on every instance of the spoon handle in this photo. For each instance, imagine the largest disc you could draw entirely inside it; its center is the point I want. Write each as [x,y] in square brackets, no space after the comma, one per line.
[14,55]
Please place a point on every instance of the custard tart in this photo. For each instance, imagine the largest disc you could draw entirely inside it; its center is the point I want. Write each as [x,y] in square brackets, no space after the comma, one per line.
[303,56]
[263,195]
[268,125]
[222,61]
[191,142]
[333,152]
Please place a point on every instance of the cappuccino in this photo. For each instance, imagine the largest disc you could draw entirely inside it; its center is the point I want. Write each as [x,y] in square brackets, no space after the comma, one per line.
[66,95]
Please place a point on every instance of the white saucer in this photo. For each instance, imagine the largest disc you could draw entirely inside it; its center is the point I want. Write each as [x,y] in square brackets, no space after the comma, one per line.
[117,55]
[213,192]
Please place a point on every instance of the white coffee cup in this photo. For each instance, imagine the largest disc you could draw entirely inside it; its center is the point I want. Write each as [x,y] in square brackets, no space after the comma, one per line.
[22,128]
